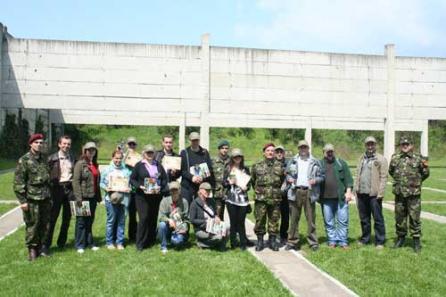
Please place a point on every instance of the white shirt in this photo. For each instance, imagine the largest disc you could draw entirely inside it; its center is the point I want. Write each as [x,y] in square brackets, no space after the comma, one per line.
[302,174]
[66,172]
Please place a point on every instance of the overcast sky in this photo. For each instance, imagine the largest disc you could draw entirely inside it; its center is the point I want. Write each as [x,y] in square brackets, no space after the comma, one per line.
[416,27]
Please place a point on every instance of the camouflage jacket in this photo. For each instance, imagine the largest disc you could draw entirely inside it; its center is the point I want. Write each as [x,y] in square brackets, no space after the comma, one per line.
[32,178]
[267,177]
[408,173]
[219,165]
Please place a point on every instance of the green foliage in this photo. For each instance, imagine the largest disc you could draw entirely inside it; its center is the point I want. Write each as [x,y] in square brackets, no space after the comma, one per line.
[14,137]
[40,126]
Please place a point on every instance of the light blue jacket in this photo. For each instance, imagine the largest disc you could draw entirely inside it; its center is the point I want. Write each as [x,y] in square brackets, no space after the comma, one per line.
[105,177]
[315,171]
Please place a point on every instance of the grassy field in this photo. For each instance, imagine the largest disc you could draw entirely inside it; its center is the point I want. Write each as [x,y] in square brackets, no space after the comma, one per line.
[436,179]
[439,209]
[388,272]
[6,192]
[4,208]
[190,272]
[7,164]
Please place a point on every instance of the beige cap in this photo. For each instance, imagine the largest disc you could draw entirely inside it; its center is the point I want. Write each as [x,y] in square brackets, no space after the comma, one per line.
[279,147]
[89,145]
[303,143]
[174,185]
[131,139]
[236,152]
[194,136]
[206,186]
[148,148]
[370,139]
[328,147]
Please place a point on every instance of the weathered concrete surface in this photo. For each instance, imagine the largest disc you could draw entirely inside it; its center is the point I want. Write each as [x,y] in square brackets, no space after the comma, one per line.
[10,222]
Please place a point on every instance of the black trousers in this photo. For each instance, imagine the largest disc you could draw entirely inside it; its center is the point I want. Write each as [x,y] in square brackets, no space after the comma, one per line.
[284,217]
[84,227]
[147,207]
[132,218]
[237,216]
[368,206]
[189,193]
[61,196]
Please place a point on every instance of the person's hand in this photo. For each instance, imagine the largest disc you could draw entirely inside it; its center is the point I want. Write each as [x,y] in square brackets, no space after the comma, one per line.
[197,179]
[217,220]
[312,182]
[24,206]
[142,188]
[172,224]
[425,163]
[173,172]
[349,196]
[231,181]
[290,180]
[379,198]
[244,189]
[79,202]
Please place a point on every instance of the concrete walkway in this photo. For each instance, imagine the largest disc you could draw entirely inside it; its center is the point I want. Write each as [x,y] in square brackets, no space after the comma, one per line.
[424,214]
[7,170]
[10,222]
[296,273]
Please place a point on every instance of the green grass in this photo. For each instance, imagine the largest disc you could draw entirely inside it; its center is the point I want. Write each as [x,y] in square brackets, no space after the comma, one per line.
[439,209]
[437,179]
[191,272]
[5,207]
[370,272]
[426,194]
[6,192]
[7,164]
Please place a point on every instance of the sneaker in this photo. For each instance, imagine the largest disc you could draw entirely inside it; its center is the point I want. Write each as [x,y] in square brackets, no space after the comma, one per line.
[120,247]
[163,251]
[80,251]
[332,246]
[379,247]
[314,248]
[109,247]
[94,248]
[345,247]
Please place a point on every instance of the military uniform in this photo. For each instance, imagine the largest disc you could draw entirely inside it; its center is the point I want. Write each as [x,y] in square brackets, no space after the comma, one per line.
[267,177]
[218,165]
[408,172]
[31,186]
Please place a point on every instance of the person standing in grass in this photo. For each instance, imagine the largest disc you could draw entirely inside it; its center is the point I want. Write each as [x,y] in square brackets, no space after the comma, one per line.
[409,170]
[61,165]
[336,193]
[167,150]
[173,218]
[150,181]
[219,164]
[203,210]
[237,201]
[31,187]
[370,186]
[86,178]
[116,201]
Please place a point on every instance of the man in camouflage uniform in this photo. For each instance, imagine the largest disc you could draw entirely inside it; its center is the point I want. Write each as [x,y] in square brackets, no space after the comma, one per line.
[408,170]
[31,186]
[267,177]
[219,164]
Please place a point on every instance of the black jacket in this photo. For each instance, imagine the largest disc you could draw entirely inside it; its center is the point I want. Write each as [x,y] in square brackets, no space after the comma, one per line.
[196,214]
[190,158]
[54,164]
[140,172]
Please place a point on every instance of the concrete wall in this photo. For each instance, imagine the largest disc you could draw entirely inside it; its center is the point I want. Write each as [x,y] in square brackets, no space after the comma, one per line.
[143,84]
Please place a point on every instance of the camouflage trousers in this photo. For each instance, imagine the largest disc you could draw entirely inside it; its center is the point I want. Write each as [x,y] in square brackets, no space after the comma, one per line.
[220,207]
[408,207]
[37,222]
[262,211]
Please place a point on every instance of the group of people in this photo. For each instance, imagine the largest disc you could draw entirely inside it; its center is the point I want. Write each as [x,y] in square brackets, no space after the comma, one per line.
[162,201]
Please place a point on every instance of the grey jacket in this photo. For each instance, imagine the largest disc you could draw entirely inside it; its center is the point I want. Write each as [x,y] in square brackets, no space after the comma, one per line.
[378,178]
[315,171]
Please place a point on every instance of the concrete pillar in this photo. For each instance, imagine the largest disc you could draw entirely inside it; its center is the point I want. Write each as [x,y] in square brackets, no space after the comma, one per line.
[2,111]
[182,134]
[424,143]
[205,70]
[308,132]
[389,121]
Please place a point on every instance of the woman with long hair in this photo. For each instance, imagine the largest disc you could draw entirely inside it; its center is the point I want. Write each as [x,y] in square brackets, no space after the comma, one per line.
[86,190]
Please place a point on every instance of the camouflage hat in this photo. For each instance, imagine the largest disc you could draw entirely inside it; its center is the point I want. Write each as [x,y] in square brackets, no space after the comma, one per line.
[236,152]
[280,147]
[370,139]
[302,143]
[328,147]
[194,136]
[405,139]
[148,148]
[174,185]
[206,186]
[89,145]
[131,139]
[222,143]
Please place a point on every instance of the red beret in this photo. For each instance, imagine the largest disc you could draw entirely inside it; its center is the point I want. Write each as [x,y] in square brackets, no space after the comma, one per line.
[35,137]
[268,145]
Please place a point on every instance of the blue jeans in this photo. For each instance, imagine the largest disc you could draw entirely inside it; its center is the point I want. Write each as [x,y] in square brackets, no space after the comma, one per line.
[164,232]
[115,223]
[336,221]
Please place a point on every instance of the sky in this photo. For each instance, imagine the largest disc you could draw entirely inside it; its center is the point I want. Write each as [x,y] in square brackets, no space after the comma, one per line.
[416,27]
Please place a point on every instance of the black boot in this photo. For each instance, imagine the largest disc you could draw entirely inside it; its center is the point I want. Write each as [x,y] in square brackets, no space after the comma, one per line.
[260,245]
[416,245]
[44,252]
[273,243]
[399,242]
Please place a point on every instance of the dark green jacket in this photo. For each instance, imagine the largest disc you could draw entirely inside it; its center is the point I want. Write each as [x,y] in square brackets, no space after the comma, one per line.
[343,177]
[32,178]
[83,184]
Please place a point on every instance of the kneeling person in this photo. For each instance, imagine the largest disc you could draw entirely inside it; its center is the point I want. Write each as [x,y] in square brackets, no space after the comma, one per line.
[173,219]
